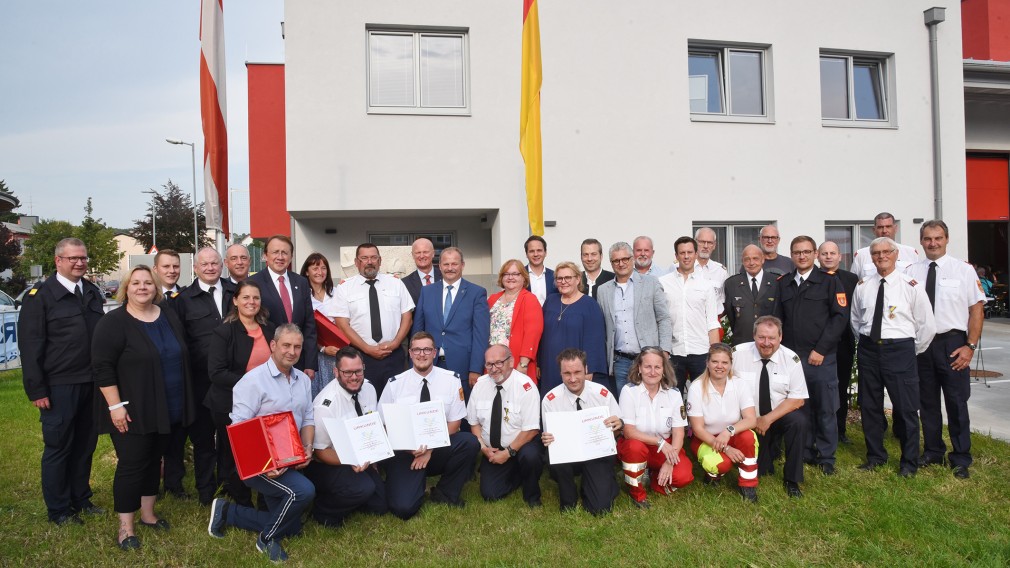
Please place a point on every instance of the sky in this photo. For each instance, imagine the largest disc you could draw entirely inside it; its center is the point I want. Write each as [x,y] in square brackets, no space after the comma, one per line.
[89,91]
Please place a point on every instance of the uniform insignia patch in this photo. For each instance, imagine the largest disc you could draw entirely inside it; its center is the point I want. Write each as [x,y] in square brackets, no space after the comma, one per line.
[550,396]
[391,379]
[683,412]
[34,290]
[689,407]
[860,283]
[842,301]
[527,386]
[978,282]
[796,358]
[326,402]
[603,392]
[461,393]
[174,294]
[669,421]
[912,282]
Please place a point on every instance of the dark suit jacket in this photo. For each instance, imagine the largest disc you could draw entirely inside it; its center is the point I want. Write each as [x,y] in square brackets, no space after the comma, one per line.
[742,307]
[302,313]
[813,315]
[230,348]
[123,355]
[552,287]
[199,317]
[849,281]
[413,283]
[605,276]
[464,336]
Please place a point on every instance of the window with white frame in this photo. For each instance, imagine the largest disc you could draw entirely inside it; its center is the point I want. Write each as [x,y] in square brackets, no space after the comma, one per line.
[728,81]
[856,89]
[850,237]
[731,238]
[418,72]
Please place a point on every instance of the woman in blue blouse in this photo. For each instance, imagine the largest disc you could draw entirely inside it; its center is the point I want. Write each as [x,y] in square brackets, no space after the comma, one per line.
[571,320]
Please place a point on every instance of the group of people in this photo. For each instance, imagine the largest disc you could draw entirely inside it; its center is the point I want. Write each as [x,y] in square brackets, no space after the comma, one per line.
[171,364]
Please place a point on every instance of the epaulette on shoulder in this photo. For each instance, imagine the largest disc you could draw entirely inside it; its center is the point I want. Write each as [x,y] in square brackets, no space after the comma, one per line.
[173,295]
[796,358]
[781,276]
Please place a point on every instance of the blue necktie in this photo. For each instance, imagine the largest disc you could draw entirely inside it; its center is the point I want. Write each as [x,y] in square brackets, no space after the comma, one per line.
[448,304]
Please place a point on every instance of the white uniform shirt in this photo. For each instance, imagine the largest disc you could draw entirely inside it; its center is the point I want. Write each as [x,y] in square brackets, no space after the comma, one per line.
[520,407]
[720,410]
[70,285]
[863,267]
[716,274]
[443,386]
[957,289]
[594,395]
[538,285]
[785,373]
[653,416]
[907,313]
[693,312]
[335,402]
[352,301]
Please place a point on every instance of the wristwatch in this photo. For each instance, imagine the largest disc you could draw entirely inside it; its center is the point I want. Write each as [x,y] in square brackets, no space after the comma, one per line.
[973,346]
[512,453]
[731,430]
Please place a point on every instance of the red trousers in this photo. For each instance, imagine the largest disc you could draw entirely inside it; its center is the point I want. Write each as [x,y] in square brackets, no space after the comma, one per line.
[717,464]
[638,456]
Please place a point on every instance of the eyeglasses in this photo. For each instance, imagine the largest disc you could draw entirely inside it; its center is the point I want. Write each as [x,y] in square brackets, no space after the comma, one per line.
[422,350]
[807,252]
[372,258]
[497,364]
[75,259]
[624,260]
[887,252]
[511,275]
[352,373]
[565,279]
[764,238]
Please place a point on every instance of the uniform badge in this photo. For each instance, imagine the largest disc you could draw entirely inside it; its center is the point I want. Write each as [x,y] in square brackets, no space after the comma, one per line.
[527,386]
[34,290]
[842,301]
[669,421]
[174,294]
[978,282]
[689,407]
[506,419]
[461,397]
[603,392]
[391,379]
[326,402]
[550,396]
[796,358]
[683,412]
[912,282]
[890,311]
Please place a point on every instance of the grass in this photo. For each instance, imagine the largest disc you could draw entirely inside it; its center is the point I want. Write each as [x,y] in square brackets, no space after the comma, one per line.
[851,519]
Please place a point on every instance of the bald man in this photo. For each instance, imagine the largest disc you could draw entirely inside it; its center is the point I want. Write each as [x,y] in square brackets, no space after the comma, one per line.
[236,260]
[749,295]
[830,259]
[427,273]
[769,243]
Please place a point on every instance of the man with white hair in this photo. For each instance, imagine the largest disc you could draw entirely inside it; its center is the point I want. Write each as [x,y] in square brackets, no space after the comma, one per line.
[884,225]
[708,268]
[644,251]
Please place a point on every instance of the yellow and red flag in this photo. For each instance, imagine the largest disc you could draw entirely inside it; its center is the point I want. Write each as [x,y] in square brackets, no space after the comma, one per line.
[213,110]
[529,117]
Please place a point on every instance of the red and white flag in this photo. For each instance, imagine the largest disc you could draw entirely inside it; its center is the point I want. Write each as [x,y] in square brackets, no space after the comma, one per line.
[214,111]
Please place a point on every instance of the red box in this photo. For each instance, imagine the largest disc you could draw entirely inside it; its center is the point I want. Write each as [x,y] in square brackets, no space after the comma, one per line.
[266,443]
[328,334]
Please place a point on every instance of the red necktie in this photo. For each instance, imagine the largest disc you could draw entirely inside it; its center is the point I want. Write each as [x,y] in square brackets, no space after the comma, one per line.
[427,279]
[285,298]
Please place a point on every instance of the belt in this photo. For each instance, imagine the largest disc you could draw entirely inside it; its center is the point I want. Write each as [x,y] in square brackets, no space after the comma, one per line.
[624,355]
[952,333]
[867,339]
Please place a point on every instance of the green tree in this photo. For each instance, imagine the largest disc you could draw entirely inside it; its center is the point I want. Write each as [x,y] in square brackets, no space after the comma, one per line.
[9,216]
[101,242]
[39,248]
[174,227]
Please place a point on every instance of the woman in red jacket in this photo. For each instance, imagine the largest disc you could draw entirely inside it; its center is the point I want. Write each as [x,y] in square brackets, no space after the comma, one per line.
[517,319]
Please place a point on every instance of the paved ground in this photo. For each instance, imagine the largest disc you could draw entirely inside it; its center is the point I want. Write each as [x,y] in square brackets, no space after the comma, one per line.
[990,399]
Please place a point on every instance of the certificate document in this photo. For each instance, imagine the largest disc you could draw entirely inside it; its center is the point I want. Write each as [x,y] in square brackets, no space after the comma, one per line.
[359,440]
[579,435]
[411,426]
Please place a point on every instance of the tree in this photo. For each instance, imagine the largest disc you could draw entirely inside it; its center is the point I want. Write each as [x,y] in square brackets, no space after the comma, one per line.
[39,248]
[9,249]
[100,239]
[9,216]
[174,226]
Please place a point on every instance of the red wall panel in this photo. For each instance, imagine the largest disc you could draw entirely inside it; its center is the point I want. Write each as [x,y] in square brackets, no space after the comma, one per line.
[985,29]
[988,188]
[267,156]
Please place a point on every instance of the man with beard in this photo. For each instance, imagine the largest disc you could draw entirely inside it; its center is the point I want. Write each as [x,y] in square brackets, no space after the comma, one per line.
[374,312]
[774,262]
[884,225]
[707,268]
[342,489]
[644,251]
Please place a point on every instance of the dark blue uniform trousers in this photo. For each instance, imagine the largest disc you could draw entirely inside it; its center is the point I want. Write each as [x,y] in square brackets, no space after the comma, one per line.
[936,376]
[599,485]
[821,409]
[287,496]
[791,429]
[70,437]
[891,364]
[340,491]
[498,480]
[455,463]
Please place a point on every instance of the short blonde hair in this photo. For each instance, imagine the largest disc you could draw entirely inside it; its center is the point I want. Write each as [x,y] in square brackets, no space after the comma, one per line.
[121,295]
[571,266]
[522,272]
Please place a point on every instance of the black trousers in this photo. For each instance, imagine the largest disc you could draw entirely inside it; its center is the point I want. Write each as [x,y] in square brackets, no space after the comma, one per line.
[455,463]
[890,365]
[138,469]
[378,371]
[201,433]
[846,355]
[70,437]
[340,492]
[498,480]
[936,378]
[685,366]
[227,473]
[821,409]
[791,429]
[599,485]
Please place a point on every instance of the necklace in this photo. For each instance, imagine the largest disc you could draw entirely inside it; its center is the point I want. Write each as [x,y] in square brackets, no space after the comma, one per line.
[564,307]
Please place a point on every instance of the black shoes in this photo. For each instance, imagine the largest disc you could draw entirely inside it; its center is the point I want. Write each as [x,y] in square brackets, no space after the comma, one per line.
[129,543]
[749,494]
[178,493]
[67,519]
[159,525]
[961,472]
[843,439]
[438,497]
[534,503]
[926,462]
[643,504]
[870,466]
[90,509]
[792,490]
[218,512]
[828,468]
[710,481]
[906,472]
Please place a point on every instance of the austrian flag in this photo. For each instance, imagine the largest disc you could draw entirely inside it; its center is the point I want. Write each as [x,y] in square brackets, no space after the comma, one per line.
[213,110]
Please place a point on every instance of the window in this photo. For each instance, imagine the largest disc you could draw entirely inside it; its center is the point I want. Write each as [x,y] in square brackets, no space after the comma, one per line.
[439,240]
[854,90]
[418,72]
[731,239]
[850,237]
[728,83]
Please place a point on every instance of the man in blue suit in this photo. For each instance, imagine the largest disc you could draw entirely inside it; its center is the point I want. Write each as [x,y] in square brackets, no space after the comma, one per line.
[456,314]
[424,253]
[295,306]
[541,279]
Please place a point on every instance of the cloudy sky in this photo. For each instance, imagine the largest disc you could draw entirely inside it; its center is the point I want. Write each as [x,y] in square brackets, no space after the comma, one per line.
[89,91]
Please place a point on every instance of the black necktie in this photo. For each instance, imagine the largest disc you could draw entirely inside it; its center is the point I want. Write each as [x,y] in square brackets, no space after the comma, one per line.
[496,420]
[578,404]
[425,394]
[754,286]
[79,294]
[373,307]
[357,407]
[764,390]
[878,313]
[931,285]
[211,292]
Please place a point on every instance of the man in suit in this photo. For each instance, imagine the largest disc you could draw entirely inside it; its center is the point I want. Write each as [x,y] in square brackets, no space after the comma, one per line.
[830,258]
[456,314]
[636,314]
[236,259]
[57,319]
[167,267]
[541,277]
[201,308]
[593,274]
[288,297]
[749,295]
[424,253]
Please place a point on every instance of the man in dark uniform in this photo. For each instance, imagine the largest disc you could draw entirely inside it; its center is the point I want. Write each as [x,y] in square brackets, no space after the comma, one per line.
[830,258]
[749,295]
[201,307]
[55,326]
[814,311]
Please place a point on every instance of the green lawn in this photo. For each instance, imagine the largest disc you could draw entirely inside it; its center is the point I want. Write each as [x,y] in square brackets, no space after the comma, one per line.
[851,519]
